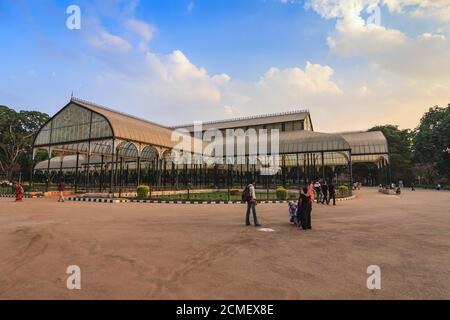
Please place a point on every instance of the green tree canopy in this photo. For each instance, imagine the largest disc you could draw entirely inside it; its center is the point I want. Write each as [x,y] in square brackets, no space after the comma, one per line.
[16,135]
[432,139]
[399,142]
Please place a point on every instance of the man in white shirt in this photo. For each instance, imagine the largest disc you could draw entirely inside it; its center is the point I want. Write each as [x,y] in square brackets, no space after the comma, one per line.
[251,204]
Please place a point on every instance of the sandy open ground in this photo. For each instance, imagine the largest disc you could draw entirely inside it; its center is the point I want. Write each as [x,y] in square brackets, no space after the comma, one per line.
[159,251]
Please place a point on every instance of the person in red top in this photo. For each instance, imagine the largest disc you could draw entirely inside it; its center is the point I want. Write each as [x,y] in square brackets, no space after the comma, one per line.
[311,192]
[61,188]
[19,192]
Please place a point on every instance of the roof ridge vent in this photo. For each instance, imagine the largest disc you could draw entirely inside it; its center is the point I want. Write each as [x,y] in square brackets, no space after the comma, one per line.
[267,115]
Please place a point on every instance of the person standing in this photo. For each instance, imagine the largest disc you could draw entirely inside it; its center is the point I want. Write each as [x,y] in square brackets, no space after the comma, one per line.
[249,196]
[325,195]
[311,191]
[318,190]
[413,186]
[304,208]
[332,193]
[61,188]
[19,192]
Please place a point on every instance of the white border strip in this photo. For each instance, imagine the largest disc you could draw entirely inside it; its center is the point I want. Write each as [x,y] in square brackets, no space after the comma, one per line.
[98,200]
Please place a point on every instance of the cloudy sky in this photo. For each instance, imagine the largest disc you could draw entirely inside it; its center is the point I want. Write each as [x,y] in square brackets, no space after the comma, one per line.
[352,63]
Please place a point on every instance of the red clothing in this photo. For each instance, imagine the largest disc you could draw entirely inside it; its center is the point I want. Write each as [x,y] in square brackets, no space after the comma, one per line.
[311,192]
[19,192]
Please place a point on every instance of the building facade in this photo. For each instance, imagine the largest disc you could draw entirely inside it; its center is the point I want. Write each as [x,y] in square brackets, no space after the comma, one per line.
[97,149]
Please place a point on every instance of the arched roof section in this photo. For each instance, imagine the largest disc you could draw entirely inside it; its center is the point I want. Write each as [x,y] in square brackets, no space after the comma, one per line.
[149,153]
[73,124]
[302,141]
[299,141]
[363,143]
[131,128]
[127,150]
[367,146]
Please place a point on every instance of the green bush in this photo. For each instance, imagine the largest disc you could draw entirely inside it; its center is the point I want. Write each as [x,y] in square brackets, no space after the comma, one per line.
[281,193]
[343,191]
[142,191]
[235,192]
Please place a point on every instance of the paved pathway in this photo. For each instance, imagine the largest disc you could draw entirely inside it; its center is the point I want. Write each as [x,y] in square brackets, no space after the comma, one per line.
[151,251]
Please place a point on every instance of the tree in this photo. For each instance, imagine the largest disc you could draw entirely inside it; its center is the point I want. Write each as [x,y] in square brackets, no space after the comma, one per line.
[426,173]
[16,135]
[400,158]
[432,139]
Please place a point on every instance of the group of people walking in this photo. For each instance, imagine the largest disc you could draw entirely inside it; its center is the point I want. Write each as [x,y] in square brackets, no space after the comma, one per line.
[324,192]
[300,212]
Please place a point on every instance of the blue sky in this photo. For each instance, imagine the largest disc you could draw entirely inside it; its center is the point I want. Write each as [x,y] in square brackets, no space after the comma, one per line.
[179,61]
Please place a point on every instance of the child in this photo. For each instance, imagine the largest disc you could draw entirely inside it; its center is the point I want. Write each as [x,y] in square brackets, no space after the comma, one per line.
[292,212]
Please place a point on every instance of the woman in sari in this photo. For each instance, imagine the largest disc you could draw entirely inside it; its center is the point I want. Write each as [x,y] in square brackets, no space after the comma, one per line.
[19,192]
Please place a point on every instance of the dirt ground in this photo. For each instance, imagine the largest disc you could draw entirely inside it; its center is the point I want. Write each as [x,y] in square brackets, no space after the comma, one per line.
[169,251]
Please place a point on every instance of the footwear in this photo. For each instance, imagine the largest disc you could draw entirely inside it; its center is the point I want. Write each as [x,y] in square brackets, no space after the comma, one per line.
[257,225]
[248,224]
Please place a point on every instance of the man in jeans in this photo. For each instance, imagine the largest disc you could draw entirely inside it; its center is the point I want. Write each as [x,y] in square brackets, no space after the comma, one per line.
[251,204]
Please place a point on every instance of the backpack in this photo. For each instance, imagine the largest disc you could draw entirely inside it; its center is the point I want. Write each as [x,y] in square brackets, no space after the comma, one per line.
[246,196]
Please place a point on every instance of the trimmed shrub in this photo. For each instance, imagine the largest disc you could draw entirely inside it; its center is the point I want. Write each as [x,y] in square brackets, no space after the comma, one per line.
[281,193]
[142,191]
[343,191]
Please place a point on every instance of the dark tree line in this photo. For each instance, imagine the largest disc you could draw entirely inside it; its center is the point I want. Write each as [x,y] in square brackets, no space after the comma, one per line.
[421,155]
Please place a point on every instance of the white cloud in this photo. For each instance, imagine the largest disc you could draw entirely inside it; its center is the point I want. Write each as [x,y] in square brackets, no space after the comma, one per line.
[98,37]
[141,28]
[439,9]
[427,55]
[315,79]
[181,77]
[402,77]
[172,81]
[405,74]
[345,8]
